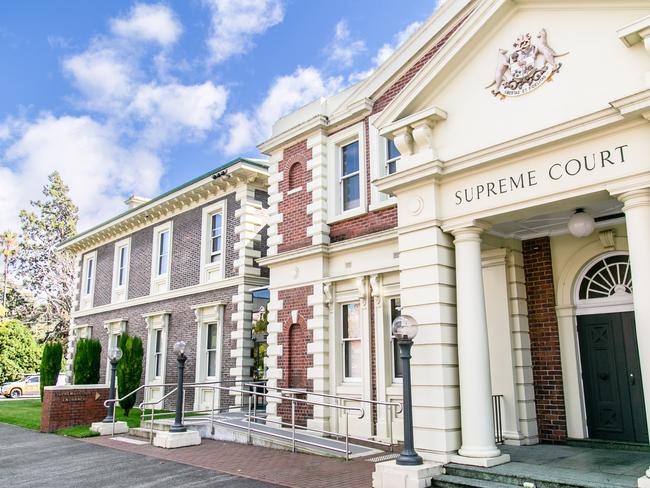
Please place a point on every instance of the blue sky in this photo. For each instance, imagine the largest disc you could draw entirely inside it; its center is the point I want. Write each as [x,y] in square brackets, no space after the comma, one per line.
[128,97]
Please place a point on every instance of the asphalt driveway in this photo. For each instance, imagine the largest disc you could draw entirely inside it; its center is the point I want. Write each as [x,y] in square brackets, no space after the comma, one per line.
[30,459]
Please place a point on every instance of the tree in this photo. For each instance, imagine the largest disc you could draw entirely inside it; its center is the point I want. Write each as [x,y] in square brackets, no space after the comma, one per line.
[46,272]
[50,364]
[8,250]
[87,360]
[129,369]
[18,351]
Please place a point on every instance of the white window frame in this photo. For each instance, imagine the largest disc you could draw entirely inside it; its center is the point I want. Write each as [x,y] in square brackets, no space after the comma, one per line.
[212,271]
[378,167]
[393,341]
[114,329]
[344,340]
[121,291]
[87,296]
[156,321]
[335,193]
[160,282]
[206,314]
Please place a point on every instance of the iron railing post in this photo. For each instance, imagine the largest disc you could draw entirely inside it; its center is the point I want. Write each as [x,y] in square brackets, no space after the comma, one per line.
[293,424]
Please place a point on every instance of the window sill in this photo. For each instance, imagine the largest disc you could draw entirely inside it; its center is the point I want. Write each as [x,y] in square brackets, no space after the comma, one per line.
[388,202]
[350,214]
[294,190]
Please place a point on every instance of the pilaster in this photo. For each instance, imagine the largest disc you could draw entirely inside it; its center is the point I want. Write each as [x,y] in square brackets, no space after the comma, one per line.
[275,197]
[319,350]
[319,230]
[273,353]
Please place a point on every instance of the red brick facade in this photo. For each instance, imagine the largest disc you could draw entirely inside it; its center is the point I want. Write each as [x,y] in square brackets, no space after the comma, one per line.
[366,224]
[544,340]
[293,207]
[295,360]
[72,405]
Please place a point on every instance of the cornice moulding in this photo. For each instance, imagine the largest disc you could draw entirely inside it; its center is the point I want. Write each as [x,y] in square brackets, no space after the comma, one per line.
[190,290]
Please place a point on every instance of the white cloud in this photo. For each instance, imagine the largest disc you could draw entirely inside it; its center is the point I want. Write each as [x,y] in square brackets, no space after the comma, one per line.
[385,51]
[343,49]
[91,160]
[154,23]
[286,94]
[103,75]
[235,22]
[167,109]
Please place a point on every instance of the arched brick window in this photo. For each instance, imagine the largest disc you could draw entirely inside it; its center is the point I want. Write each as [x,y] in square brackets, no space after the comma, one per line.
[295,176]
[297,375]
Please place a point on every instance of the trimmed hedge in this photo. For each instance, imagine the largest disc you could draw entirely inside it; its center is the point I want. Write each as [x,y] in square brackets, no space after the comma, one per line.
[87,361]
[50,364]
[129,369]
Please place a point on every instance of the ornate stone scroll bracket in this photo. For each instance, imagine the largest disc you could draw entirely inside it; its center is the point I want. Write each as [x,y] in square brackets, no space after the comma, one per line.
[414,136]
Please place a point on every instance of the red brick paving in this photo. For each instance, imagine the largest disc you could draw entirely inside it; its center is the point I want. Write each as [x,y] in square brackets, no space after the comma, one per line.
[272,465]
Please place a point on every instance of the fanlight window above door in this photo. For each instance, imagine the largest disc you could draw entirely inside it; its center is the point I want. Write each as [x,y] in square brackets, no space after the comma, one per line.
[608,278]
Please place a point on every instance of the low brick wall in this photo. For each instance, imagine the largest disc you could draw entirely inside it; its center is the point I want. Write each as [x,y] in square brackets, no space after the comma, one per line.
[70,405]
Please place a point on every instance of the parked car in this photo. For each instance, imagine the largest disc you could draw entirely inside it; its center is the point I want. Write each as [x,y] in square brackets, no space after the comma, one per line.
[28,386]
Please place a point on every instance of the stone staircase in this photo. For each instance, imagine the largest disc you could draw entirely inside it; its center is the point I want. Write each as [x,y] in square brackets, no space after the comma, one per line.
[456,476]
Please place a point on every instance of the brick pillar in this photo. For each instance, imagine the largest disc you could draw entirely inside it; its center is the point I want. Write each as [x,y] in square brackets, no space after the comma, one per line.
[544,340]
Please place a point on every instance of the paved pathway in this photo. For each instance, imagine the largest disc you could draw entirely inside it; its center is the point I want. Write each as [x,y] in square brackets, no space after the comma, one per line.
[275,466]
[30,459]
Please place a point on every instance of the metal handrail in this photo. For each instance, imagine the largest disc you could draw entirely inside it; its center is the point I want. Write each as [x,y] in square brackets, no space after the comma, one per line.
[252,400]
[397,405]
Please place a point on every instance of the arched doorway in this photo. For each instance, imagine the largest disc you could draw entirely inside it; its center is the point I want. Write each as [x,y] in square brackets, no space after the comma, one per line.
[609,353]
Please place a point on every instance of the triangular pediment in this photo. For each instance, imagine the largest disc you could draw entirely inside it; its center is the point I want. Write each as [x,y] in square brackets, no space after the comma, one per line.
[593,68]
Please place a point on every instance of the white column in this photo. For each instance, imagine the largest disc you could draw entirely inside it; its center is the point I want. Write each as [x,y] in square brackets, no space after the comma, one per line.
[477,429]
[636,205]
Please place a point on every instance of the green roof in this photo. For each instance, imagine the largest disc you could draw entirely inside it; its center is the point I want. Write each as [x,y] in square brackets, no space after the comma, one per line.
[255,162]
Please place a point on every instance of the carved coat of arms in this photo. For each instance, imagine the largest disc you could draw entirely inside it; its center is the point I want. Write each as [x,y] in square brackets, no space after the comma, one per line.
[527,66]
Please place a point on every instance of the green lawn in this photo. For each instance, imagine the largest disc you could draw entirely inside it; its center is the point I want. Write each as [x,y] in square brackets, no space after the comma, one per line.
[27,413]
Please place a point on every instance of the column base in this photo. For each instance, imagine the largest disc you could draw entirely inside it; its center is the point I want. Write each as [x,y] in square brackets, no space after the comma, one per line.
[390,475]
[483,462]
[644,481]
[173,440]
[103,428]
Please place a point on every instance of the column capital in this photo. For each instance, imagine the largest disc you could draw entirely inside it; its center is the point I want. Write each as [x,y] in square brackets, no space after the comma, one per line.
[635,198]
[469,231]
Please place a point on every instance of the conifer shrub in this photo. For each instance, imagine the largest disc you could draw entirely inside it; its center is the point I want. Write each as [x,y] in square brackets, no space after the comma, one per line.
[50,364]
[129,370]
[87,360]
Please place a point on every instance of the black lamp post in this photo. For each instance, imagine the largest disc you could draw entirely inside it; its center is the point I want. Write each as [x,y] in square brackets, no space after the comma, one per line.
[114,356]
[179,349]
[404,330]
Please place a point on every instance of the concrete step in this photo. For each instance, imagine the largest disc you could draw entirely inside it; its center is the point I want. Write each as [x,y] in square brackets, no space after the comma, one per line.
[448,481]
[531,476]
[140,433]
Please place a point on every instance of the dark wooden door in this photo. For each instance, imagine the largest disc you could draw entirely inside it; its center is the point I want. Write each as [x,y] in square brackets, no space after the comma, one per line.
[612,377]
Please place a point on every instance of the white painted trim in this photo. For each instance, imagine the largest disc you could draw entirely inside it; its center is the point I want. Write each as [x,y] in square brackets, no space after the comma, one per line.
[602,305]
[206,314]
[160,283]
[86,299]
[156,321]
[179,292]
[120,293]
[334,144]
[208,268]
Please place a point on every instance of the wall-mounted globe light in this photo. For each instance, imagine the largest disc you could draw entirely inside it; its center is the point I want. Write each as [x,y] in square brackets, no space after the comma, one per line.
[581,224]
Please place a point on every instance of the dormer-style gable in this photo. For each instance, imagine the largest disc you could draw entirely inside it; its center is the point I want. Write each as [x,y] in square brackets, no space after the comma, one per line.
[579,72]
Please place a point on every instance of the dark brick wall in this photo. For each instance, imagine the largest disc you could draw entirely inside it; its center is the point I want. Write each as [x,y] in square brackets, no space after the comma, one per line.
[295,220]
[369,223]
[544,340]
[140,263]
[67,407]
[182,326]
[185,260]
[295,361]
[104,275]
